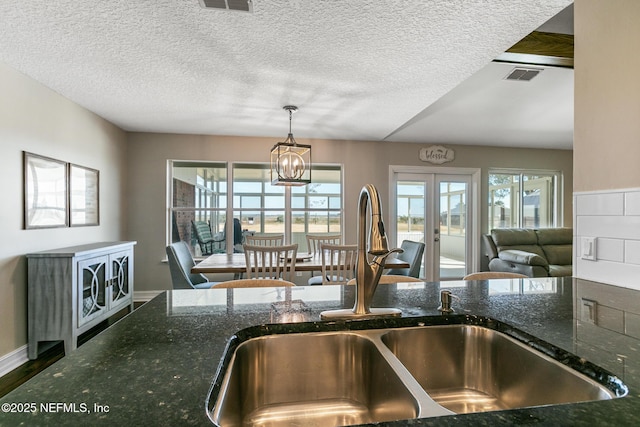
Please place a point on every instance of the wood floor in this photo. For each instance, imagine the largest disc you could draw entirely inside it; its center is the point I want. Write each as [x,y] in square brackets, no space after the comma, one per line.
[23,372]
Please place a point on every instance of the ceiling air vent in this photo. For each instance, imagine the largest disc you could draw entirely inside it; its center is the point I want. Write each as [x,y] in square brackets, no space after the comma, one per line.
[523,74]
[237,5]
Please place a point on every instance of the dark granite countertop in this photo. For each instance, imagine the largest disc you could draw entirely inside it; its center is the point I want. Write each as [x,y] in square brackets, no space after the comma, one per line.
[156,365]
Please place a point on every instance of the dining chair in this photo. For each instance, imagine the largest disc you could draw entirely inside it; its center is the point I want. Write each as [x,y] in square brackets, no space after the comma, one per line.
[484,275]
[265,240]
[338,264]
[253,283]
[271,262]
[387,279]
[180,264]
[412,253]
[315,240]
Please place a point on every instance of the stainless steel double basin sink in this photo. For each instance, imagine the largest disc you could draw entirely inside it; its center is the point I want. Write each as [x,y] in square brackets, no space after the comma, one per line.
[365,376]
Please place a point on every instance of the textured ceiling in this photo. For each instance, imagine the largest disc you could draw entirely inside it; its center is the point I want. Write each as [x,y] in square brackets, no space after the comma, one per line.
[357,69]
[486,109]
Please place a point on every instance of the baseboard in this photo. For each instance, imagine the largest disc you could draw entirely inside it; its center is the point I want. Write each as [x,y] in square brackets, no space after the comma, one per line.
[11,361]
[145,296]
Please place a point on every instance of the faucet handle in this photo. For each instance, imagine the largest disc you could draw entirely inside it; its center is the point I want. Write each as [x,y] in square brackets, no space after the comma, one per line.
[395,250]
[383,256]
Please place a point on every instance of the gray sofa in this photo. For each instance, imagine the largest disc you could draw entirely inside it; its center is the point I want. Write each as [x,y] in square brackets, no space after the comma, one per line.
[533,252]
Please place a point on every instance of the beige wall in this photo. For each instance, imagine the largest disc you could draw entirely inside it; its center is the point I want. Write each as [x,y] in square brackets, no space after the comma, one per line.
[38,120]
[364,162]
[607,92]
[607,141]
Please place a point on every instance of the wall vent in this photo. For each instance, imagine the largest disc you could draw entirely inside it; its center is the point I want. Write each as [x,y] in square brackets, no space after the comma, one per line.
[523,74]
[236,5]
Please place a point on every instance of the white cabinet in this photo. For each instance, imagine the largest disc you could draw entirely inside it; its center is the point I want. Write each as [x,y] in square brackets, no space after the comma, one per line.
[70,290]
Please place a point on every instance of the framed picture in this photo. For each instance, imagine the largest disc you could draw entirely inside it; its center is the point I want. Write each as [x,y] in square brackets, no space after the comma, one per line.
[84,196]
[45,192]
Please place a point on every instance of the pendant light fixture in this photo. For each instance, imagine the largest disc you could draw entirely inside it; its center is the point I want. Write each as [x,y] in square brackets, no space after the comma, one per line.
[290,161]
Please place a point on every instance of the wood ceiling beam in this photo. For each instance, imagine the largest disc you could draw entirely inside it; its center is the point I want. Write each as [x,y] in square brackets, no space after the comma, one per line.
[539,48]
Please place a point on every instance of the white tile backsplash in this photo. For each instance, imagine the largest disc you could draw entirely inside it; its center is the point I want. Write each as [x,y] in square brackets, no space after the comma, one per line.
[610,249]
[632,203]
[632,252]
[600,203]
[615,227]
[613,218]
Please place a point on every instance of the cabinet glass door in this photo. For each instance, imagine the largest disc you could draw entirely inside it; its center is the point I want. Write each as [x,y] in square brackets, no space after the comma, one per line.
[92,301]
[120,278]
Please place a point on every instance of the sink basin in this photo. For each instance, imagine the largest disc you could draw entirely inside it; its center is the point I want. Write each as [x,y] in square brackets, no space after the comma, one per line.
[468,368]
[374,375]
[311,379]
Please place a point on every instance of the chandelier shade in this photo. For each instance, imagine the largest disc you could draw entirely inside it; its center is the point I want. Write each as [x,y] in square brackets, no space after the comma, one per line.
[290,161]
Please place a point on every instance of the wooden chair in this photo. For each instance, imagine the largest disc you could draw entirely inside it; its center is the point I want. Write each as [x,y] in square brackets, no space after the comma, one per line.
[387,279]
[484,275]
[313,246]
[265,240]
[271,262]
[338,264]
[253,283]
[315,240]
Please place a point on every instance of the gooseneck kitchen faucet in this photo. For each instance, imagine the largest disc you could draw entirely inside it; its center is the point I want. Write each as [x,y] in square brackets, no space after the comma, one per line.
[368,271]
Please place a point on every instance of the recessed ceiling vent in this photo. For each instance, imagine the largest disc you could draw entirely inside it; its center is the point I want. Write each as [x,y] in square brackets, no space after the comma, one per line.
[236,5]
[523,74]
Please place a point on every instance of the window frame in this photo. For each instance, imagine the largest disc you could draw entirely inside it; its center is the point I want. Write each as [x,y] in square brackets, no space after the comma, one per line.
[230,210]
[556,213]
[200,201]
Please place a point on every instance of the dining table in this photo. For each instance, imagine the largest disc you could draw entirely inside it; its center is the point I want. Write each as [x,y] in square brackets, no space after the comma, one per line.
[235,263]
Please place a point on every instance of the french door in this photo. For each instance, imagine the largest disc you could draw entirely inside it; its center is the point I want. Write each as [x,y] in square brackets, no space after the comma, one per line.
[437,209]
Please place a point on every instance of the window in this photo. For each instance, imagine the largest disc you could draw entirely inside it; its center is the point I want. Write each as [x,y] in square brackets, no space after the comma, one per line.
[453,208]
[258,205]
[523,199]
[410,207]
[199,195]
[317,208]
